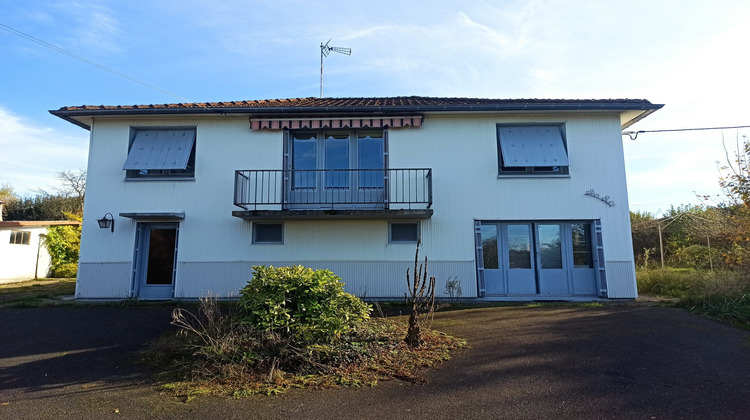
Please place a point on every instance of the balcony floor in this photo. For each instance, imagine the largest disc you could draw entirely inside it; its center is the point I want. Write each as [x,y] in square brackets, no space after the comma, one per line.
[333,214]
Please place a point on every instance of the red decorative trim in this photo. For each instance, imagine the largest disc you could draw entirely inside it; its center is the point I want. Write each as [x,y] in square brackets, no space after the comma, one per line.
[348,122]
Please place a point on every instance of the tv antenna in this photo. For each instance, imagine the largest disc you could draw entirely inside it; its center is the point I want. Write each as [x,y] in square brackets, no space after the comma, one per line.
[324,51]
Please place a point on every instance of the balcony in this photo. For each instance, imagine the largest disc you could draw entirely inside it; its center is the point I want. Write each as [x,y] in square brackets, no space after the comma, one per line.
[333,193]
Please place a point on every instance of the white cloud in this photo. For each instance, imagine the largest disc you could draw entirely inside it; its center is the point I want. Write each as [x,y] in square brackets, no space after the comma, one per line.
[32,154]
[87,26]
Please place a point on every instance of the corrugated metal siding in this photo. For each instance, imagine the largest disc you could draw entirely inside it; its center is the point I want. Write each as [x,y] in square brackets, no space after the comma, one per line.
[224,279]
[103,280]
[621,280]
[362,278]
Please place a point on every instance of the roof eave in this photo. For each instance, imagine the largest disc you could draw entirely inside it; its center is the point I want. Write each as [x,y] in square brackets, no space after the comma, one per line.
[641,115]
[70,115]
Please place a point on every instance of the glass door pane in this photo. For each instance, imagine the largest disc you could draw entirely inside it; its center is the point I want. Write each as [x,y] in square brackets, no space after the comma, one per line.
[370,156]
[337,160]
[304,152]
[488,235]
[550,246]
[519,246]
[581,233]
[161,256]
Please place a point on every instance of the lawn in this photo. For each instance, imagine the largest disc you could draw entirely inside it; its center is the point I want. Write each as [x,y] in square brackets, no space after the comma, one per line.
[44,292]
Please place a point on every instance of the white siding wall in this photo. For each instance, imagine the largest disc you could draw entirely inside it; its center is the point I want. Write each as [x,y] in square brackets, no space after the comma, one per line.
[18,262]
[215,250]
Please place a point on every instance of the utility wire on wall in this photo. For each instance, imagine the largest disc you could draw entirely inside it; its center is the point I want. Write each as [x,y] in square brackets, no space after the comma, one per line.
[634,134]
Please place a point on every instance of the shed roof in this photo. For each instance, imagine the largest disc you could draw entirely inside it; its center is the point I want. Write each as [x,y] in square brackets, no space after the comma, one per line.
[37,223]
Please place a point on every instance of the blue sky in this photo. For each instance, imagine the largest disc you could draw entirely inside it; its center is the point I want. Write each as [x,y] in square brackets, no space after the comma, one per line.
[689,55]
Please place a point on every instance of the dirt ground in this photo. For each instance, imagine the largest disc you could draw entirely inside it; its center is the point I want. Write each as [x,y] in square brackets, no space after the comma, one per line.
[571,362]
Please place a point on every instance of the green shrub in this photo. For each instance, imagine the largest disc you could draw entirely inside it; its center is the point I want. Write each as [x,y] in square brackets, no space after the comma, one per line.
[698,256]
[63,244]
[65,270]
[301,304]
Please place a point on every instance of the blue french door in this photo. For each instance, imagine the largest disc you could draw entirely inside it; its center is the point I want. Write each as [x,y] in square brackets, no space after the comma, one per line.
[337,167]
[538,258]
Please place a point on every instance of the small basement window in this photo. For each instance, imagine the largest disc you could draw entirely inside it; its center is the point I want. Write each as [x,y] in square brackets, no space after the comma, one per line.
[161,153]
[20,237]
[403,232]
[268,233]
[531,149]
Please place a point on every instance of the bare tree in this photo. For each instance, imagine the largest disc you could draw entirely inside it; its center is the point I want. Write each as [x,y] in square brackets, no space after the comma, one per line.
[72,184]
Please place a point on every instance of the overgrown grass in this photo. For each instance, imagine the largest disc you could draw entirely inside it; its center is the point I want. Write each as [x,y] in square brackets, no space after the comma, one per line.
[722,295]
[42,292]
[215,355]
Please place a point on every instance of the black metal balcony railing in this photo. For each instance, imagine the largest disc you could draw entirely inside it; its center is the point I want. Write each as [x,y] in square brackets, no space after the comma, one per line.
[333,188]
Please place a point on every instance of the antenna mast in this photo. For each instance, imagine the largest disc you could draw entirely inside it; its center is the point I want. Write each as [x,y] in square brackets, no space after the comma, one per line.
[324,51]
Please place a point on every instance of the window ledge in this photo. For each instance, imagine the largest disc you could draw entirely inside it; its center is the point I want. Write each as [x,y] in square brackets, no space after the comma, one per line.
[160,178]
[534,176]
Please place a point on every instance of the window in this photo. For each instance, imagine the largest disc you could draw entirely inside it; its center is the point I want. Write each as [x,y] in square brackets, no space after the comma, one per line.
[531,149]
[268,233]
[161,153]
[403,232]
[19,237]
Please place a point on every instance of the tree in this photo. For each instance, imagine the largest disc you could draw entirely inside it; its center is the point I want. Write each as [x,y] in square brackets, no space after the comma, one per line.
[42,207]
[645,232]
[68,197]
[7,196]
[72,184]
[63,244]
[734,177]
[734,180]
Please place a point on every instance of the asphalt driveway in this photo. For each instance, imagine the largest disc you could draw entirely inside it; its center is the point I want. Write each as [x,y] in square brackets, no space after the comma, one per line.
[629,361]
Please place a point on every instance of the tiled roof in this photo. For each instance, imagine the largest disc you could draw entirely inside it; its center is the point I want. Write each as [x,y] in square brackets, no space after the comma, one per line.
[400,105]
[399,101]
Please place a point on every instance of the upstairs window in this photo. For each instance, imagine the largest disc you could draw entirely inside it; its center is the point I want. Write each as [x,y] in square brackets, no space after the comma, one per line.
[531,149]
[161,153]
[19,237]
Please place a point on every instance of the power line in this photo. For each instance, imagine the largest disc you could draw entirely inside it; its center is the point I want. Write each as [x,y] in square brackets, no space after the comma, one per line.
[84,59]
[634,134]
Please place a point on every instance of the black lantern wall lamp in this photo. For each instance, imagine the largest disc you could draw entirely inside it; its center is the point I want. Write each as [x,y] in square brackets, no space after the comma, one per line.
[107,222]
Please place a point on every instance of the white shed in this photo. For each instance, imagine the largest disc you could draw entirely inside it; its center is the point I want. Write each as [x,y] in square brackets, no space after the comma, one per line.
[23,255]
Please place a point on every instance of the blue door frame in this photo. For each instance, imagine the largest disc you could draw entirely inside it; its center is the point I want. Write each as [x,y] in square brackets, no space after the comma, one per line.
[155,262]
[538,258]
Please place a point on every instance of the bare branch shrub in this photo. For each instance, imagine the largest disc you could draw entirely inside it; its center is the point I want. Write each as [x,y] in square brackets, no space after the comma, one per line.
[421,299]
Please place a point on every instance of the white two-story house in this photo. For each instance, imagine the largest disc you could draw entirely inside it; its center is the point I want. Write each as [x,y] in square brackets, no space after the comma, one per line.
[513,199]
